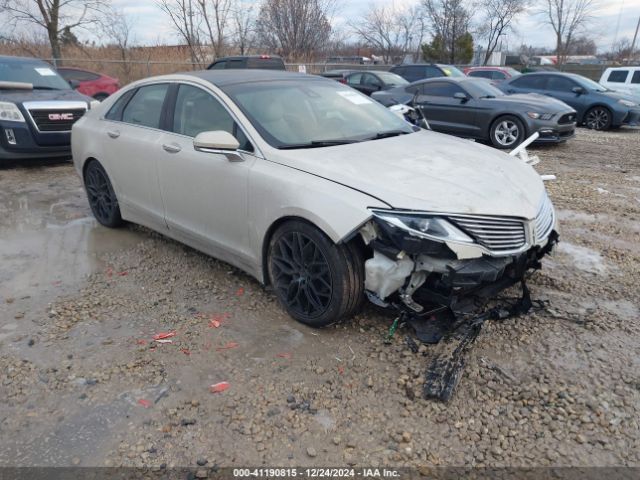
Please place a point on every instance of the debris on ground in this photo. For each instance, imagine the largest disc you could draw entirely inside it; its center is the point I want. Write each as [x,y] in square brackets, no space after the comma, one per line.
[145,403]
[219,387]
[164,335]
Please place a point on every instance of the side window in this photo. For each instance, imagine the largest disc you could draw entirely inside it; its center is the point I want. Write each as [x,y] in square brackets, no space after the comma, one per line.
[79,75]
[481,74]
[402,71]
[218,65]
[530,81]
[198,111]
[432,72]
[498,75]
[234,64]
[413,73]
[354,79]
[115,112]
[145,107]
[370,80]
[560,84]
[636,77]
[414,88]
[618,76]
[440,89]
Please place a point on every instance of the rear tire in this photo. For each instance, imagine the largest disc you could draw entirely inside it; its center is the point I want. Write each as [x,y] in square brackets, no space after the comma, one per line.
[598,118]
[102,197]
[507,132]
[316,281]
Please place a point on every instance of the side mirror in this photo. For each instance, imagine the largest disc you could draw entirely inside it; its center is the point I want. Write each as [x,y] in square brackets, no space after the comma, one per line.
[461,96]
[578,90]
[75,84]
[218,141]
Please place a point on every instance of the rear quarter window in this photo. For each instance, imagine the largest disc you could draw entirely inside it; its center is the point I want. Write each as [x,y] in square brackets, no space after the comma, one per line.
[636,77]
[618,76]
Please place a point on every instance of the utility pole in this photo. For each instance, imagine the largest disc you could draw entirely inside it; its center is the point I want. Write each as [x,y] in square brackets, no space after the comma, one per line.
[633,44]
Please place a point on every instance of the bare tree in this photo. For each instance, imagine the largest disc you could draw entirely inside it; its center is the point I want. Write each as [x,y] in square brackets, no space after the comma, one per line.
[392,30]
[216,15]
[244,26]
[567,18]
[450,21]
[297,29]
[186,20]
[56,17]
[497,20]
[117,29]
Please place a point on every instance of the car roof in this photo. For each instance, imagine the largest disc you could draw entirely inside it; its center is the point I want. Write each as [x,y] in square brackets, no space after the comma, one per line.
[12,59]
[242,57]
[222,78]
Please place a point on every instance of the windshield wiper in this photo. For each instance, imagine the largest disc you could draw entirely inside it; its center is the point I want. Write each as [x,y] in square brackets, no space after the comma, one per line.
[488,96]
[387,134]
[318,144]
[43,87]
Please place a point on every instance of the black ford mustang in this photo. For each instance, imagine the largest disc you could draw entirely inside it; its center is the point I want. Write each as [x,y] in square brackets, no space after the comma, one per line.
[37,109]
[473,108]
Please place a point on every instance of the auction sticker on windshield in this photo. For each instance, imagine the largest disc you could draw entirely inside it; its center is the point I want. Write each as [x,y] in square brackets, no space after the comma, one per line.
[354,97]
[46,72]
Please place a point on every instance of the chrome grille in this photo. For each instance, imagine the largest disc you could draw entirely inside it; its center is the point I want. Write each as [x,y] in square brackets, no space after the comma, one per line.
[544,220]
[499,235]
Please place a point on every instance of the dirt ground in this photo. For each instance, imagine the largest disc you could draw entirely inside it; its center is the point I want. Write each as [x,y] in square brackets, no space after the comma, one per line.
[83,382]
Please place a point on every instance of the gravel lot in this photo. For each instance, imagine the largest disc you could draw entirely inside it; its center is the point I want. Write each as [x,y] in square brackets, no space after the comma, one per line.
[84,384]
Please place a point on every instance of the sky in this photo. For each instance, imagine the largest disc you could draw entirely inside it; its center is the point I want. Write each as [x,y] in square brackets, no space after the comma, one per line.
[614,20]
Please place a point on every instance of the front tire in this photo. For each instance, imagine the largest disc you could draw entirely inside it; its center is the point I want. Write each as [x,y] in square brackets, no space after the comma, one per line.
[507,132]
[102,197]
[598,118]
[317,282]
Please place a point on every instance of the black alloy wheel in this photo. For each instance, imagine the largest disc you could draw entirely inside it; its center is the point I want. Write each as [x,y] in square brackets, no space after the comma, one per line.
[102,198]
[598,118]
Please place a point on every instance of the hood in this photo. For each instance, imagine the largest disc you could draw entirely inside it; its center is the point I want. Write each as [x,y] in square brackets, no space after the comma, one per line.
[427,171]
[19,96]
[531,100]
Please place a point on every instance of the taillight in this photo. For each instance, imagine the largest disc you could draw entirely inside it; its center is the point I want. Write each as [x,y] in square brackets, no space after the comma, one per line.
[343,80]
[265,57]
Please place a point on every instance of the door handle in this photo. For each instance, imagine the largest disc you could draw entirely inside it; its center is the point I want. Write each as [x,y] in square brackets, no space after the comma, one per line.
[171,147]
[113,133]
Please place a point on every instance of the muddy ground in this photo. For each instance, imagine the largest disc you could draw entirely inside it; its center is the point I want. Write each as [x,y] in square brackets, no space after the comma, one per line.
[84,384]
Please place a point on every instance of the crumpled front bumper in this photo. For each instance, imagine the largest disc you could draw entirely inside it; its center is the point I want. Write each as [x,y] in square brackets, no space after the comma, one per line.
[417,275]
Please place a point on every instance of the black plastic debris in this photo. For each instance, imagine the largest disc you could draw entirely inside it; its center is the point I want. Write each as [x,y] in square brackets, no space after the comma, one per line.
[431,330]
[444,372]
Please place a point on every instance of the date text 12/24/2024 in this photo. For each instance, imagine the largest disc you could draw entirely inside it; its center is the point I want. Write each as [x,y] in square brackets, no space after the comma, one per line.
[315,473]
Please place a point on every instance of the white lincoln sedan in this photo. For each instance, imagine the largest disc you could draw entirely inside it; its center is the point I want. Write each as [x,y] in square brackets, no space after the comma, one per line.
[314,189]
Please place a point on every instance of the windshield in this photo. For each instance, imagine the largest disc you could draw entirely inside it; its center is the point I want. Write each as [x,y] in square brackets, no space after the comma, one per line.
[482,89]
[40,74]
[451,71]
[305,114]
[512,71]
[590,84]
[392,79]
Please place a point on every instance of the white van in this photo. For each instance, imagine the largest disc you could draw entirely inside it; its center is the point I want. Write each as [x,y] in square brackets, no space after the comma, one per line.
[622,79]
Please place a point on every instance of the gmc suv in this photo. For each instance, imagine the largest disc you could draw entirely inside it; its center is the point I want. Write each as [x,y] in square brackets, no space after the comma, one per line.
[37,109]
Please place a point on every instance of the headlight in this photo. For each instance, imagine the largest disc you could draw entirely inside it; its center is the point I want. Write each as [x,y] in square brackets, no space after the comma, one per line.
[426,226]
[540,116]
[9,111]
[627,103]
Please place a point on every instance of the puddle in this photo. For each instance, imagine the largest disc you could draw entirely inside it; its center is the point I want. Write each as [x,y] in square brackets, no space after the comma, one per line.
[583,258]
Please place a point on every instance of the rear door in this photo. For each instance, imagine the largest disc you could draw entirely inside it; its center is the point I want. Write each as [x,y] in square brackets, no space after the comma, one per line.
[354,81]
[444,112]
[132,136]
[369,84]
[204,193]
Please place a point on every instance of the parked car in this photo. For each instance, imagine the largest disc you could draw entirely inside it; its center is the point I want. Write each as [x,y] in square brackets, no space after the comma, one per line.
[597,107]
[368,82]
[495,74]
[91,84]
[313,188]
[622,79]
[338,75]
[473,108]
[37,110]
[420,71]
[264,62]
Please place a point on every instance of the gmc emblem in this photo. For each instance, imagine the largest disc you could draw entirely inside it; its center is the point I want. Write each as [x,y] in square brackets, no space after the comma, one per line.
[60,116]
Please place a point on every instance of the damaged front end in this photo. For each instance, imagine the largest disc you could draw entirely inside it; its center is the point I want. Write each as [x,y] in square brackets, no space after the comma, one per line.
[425,261]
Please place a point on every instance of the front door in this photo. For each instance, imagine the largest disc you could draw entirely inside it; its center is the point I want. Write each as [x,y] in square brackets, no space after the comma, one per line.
[205,194]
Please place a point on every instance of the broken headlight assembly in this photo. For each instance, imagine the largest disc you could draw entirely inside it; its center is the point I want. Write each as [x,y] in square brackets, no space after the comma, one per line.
[426,226]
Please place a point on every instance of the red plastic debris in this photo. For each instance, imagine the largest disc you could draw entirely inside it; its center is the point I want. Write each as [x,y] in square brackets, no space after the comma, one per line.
[218,319]
[123,273]
[240,292]
[144,403]
[283,355]
[163,335]
[214,324]
[340,369]
[228,346]
[141,341]
[186,351]
[219,387]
